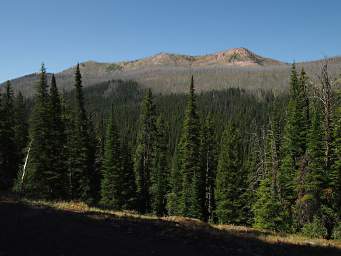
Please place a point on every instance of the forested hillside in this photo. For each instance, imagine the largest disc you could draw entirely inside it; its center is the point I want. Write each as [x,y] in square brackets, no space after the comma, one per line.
[231,156]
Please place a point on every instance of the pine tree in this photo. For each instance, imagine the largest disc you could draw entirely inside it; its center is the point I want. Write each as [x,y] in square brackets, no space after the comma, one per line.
[209,166]
[230,187]
[336,173]
[192,200]
[144,154]
[35,182]
[57,172]
[78,148]
[310,201]
[9,154]
[111,186]
[268,210]
[295,138]
[159,174]
[175,181]
[128,179]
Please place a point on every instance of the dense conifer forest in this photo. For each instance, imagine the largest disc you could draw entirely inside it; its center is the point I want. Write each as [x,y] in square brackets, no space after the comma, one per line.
[228,157]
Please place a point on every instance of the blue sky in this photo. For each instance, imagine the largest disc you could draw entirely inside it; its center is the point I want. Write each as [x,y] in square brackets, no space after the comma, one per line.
[64,32]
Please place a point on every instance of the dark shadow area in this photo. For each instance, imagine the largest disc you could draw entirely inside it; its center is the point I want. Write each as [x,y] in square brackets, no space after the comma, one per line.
[28,230]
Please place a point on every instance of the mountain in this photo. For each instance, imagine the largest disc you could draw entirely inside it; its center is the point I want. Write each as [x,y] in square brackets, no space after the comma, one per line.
[169,73]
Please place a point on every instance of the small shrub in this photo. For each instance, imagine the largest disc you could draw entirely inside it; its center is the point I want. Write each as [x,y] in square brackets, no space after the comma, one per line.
[314,229]
[337,231]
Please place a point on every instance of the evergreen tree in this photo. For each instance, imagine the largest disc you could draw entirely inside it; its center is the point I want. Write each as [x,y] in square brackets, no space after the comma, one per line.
[36,181]
[267,209]
[175,181]
[230,187]
[209,166]
[295,138]
[57,172]
[310,201]
[111,185]
[144,154]
[128,179]
[9,155]
[159,174]
[78,148]
[192,199]
[336,173]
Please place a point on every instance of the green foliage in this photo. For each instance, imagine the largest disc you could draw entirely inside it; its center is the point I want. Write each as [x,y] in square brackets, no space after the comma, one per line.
[230,180]
[268,210]
[337,231]
[9,151]
[111,185]
[79,146]
[314,229]
[208,153]
[144,154]
[160,172]
[192,191]
[36,181]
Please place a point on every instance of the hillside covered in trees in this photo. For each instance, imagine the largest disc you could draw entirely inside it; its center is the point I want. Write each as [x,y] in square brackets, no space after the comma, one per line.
[260,159]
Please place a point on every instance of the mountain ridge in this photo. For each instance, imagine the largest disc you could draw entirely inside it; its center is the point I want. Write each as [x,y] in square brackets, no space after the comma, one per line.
[169,73]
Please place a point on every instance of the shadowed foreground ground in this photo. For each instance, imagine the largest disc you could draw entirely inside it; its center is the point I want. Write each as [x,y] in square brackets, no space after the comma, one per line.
[41,230]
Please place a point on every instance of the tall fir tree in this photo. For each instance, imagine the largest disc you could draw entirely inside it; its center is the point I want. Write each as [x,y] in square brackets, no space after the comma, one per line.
[144,154]
[128,178]
[9,155]
[230,187]
[35,182]
[192,199]
[310,201]
[175,182]
[57,172]
[209,166]
[267,209]
[295,138]
[78,146]
[336,173]
[160,172]
[111,185]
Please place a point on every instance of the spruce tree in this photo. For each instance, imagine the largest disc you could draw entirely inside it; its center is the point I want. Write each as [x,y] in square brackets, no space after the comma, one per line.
[57,172]
[9,155]
[192,200]
[111,185]
[310,202]
[336,173]
[35,182]
[78,146]
[128,179]
[295,138]
[267,209]
[144,154]
[209,166]
[230,187]
[175,181]
[159,174]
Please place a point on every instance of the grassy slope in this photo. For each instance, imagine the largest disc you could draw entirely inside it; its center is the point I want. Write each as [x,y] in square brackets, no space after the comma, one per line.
[60,228]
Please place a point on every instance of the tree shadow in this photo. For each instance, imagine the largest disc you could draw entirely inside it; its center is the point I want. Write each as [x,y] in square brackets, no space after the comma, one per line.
[35,230]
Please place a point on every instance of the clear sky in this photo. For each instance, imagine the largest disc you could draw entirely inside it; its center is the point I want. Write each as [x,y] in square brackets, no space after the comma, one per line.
[64,32]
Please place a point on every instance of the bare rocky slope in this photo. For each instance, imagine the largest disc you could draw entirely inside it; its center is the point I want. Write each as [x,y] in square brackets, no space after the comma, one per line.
[170,73]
